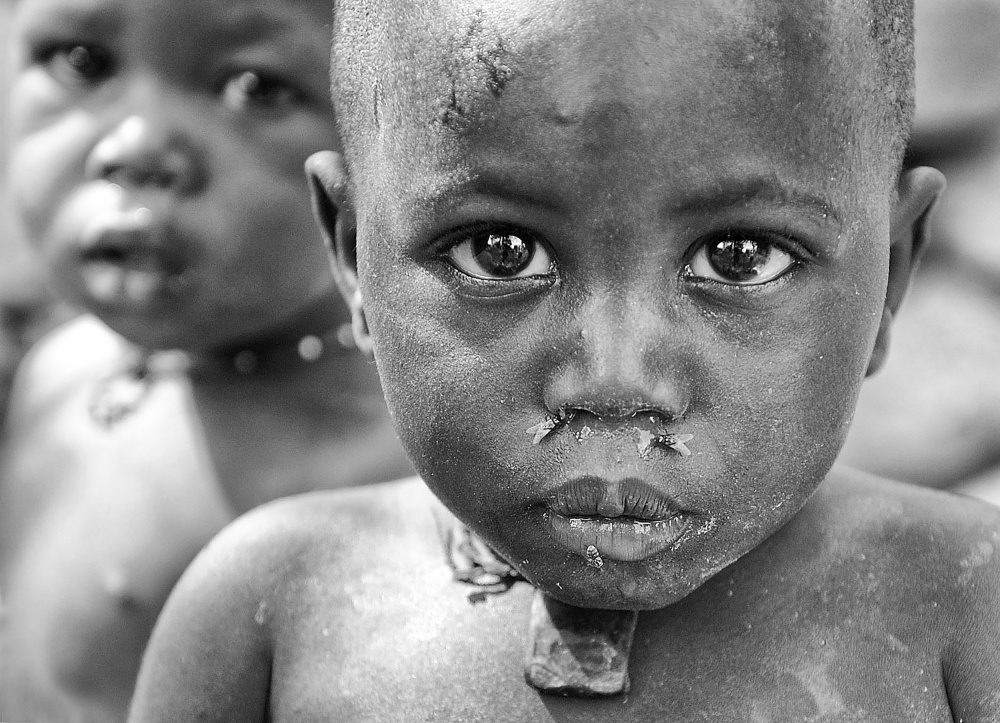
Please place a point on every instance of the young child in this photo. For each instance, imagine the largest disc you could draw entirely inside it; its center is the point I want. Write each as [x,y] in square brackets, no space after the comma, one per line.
[157,165]
[623,267]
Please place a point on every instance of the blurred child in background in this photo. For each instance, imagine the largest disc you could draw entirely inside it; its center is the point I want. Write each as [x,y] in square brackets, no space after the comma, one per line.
[156,164]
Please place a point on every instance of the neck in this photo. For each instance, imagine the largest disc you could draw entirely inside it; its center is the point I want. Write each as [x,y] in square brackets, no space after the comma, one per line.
[313,337]
[309,356]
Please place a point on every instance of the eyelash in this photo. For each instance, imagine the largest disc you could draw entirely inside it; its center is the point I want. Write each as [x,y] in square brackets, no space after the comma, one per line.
[239,87]
[454,257]
[776,255]
[775,243]
[57,59]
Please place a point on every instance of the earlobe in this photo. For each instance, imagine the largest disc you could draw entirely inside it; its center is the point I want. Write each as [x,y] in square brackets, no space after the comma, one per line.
[328,187]
[359,325]
[918,190]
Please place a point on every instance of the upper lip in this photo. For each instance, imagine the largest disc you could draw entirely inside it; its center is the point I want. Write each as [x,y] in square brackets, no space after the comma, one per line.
[590,496]
[141,235]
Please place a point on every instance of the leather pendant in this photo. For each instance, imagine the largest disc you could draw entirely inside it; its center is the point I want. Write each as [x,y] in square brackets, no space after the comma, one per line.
[577,651]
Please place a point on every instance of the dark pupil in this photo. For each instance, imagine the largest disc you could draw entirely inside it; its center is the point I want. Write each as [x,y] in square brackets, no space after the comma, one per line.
[738,259]
[501,254]
[86,62]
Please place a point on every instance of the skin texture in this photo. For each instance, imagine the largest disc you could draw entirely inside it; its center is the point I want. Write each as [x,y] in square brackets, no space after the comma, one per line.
[869,605]
[119,106]
[601,168]
[618,141]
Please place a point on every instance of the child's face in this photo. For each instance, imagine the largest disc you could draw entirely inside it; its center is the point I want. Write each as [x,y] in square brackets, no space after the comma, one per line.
[659,226]
[156,159]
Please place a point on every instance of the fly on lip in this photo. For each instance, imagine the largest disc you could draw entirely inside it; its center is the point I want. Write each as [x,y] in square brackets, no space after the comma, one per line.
[593,556]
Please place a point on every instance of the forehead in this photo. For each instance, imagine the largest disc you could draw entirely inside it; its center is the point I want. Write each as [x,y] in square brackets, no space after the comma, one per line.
[685,90]
[232,18]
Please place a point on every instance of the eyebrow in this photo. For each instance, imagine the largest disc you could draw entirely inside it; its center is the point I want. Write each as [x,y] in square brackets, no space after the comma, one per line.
[734,193]
[85,16]
[454,192]
[247,25]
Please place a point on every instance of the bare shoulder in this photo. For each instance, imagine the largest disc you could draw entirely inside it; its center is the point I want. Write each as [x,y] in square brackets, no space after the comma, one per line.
[931,538]
[909,520]
[40,427]
[55,450]
[253,588]
[935,557]
[78,350]
[318,527]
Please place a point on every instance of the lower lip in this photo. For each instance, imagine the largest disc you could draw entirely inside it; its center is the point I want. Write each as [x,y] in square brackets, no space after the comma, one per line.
[618,538]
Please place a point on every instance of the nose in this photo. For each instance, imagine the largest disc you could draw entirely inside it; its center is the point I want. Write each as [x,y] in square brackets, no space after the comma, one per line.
[624,358]
[147,146]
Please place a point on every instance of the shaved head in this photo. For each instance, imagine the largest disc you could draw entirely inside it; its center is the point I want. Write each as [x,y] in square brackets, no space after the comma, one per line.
[441,62]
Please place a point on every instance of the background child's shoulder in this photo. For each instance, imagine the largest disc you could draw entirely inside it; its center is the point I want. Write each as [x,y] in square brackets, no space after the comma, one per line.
[74,353]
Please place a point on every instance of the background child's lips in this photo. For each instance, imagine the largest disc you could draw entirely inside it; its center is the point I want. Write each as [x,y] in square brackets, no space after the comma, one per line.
[129,253]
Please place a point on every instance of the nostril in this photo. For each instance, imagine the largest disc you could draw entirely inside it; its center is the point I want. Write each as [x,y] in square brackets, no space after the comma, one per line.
[619,410]
[150,172]
[141,152]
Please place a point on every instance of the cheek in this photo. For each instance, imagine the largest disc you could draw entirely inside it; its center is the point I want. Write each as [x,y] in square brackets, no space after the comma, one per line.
[781,398]
[456,402]
[45,165]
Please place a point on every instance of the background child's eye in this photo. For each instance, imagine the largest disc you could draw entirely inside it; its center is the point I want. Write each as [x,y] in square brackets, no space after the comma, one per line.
[740,261]
[500,255]
[253,89]
[79,63]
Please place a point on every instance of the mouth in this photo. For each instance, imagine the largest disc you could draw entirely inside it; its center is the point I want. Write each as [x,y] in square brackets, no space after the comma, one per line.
[626,520]
[126,257]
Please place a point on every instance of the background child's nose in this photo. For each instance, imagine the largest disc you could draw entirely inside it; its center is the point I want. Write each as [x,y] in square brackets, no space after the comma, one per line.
[622,358]
[146,149]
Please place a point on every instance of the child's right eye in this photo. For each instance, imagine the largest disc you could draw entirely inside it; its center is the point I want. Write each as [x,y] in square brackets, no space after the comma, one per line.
[500,255]
[740,259]
[78,63]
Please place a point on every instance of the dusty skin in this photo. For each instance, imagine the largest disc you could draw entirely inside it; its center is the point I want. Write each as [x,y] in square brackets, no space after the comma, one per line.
[873,604]
[670,221]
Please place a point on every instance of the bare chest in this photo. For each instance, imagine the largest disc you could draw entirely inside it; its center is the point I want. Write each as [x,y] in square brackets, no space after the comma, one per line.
[442,658]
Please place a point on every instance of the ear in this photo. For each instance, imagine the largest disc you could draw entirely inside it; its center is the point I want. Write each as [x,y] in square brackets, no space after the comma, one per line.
[327,178]
[918,190]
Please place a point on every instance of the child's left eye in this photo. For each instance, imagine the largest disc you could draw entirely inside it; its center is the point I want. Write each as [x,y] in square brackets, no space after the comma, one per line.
[255,89]
[497,255]
[740,260]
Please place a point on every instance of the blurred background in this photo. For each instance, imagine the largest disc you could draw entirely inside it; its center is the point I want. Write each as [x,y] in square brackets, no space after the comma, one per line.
[932,415]
[25,304]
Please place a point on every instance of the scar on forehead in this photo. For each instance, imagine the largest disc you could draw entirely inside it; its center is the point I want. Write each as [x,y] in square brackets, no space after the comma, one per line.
[476,66]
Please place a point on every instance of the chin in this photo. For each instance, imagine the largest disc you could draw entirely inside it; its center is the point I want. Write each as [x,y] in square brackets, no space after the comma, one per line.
[607,589]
